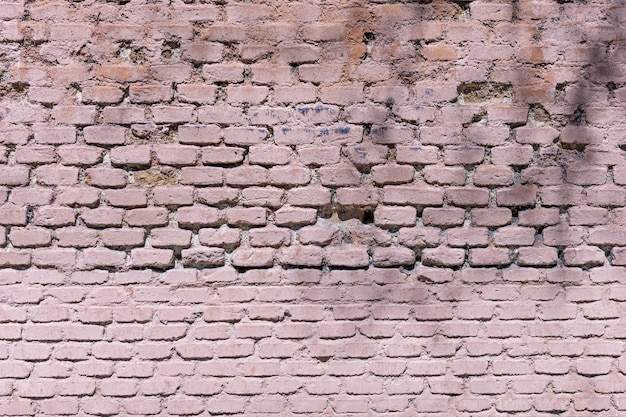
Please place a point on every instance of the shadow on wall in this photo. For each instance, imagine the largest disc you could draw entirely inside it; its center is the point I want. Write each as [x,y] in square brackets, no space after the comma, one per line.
[581,165]
[566,67]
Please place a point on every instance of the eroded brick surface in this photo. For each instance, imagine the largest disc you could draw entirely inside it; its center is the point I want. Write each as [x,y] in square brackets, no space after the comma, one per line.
[312,208]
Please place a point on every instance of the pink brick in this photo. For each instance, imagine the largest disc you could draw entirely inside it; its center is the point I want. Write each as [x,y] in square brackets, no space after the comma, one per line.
[246,176]
[172,114]
[104,135]
[246,217]
[157,258]
[79,155]
[55,136]
[177,155]
[106,177]
[219,114]
[32,237]
[223,237]
[223,72]
[124,115]
[539,217]
[153,93]
[127,198]
[262,196]
[34,154]
[269,155]
[217,196]
[77,115]
[203,257]
[289,176]
[14,175]
[289,135]
[172,195]
[169,237]
[260,257]
[130,155]
[102,95]
[13,215]
[394,216]
[152,216]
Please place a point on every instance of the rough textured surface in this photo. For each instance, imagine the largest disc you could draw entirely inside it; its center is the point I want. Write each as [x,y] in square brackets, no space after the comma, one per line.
[312,208]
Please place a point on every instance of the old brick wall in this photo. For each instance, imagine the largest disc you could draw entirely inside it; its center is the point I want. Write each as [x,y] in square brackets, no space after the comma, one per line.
[312,208]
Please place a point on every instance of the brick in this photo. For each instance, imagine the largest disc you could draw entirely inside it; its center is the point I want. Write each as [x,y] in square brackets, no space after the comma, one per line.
[106,177]
[169,238]
[413,195]
[246,176]
[14,175]
[514,236]
[391,216]
[445,217]
[172,195]
[347,257]
[197,93]
[562,235]
[31,196]
[606,196]
[301,255]
[127,198]
[261,257]
[581,135]
[202,176]
[539,217]
[56,175]
[536,135]
[33,237]
[151,93]
[104,135]
[319,73]
[467,197]
[177,155]
[517,196]
[17,136]
[583,174]
[102,217]
[79,155]
[76,115]
[223,72]
[125,237]
[223,237]
[132,156]
[393,256]
[294,216]
[537,256]
[102,95]
[172,114]
[203,257]
[606,235]
[156,258]
[512,155]
[246,217]
[219,114]
[33,155]
[462,237]
[290,176]
[13,215]
[443,256]
[124,115]
[468,155]
[171,72]
[152,216]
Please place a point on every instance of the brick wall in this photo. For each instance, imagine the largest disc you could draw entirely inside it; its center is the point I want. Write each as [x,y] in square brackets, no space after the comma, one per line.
[317,207]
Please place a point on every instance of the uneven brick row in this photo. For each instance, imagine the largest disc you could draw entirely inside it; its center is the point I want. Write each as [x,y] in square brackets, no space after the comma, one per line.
[139,342]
